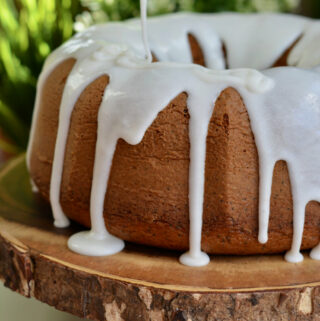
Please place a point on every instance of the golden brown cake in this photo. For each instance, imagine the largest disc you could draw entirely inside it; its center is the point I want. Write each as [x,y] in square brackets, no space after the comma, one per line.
[147,193]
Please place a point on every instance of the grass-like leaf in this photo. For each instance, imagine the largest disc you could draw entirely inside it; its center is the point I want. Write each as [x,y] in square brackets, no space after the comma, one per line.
[12,126]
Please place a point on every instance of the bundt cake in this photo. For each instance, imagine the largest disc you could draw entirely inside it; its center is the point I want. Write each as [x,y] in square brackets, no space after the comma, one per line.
[178,155]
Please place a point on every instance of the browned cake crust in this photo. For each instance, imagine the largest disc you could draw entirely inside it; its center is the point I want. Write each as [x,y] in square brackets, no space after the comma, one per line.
[147,198]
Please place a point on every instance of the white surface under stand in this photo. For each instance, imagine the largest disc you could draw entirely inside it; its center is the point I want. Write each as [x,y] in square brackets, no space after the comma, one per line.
[14,307]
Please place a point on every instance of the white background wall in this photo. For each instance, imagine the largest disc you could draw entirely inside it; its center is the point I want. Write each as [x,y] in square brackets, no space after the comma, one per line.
[15,307]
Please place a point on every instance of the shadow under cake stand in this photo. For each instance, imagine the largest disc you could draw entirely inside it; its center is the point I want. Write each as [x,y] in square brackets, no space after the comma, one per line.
[141,283]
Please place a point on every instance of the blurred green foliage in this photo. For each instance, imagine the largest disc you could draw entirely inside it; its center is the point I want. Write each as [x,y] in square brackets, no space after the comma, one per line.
[31,29]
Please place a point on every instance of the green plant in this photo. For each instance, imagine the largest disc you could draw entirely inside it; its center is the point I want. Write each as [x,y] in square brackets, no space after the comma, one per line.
[29,30]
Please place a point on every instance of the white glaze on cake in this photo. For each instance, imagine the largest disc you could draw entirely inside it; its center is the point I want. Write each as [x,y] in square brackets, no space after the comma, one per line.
[144,30]
[283,105]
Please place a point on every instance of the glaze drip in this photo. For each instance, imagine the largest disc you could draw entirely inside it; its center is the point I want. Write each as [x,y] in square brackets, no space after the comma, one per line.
[143,19]
[282,103]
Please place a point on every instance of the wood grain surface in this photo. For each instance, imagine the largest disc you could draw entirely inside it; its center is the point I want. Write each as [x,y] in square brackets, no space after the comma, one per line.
[141,283]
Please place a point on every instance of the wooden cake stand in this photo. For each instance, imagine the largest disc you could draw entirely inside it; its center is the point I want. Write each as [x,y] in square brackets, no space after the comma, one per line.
[141,283]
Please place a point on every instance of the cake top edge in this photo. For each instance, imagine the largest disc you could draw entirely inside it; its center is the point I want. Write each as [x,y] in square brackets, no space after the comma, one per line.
[253,41]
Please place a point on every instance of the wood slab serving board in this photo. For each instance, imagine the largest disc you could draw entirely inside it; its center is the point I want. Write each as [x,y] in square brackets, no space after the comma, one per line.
[141,283]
